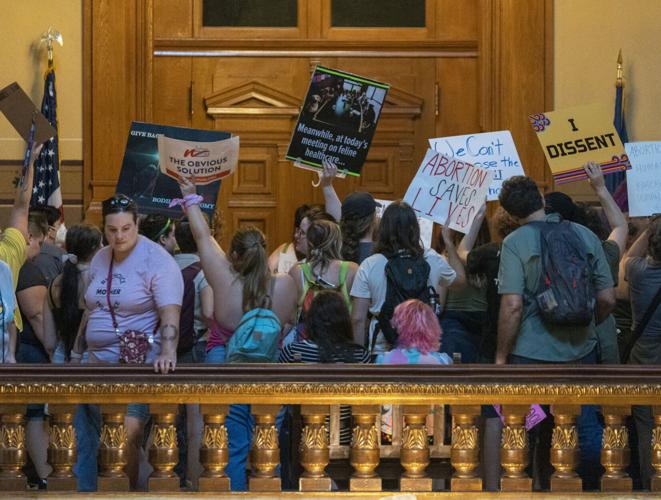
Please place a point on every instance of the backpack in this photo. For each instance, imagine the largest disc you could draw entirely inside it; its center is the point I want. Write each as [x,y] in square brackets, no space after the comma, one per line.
[565,295]
[187,334]
[407,277]
[312,286]
[255,340]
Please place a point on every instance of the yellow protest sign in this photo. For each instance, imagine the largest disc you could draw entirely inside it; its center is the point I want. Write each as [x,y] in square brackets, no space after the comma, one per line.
[571,137]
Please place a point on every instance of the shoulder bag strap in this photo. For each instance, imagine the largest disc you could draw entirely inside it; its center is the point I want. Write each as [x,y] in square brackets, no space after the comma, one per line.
[640,327]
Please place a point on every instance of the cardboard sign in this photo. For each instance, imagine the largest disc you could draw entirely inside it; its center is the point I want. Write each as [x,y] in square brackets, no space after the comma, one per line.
[644,178]
[207,162]
[337,120]
[572,137]
[426,225]
[448,190]
[142,179]
[494,151]
[19,109]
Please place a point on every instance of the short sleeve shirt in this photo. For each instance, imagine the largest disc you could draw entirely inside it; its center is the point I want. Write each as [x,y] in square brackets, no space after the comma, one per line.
[370,281]
[520,272]
[7,306]
[143,282]
[30,276]
[184,260]
[644,278]
[13,252]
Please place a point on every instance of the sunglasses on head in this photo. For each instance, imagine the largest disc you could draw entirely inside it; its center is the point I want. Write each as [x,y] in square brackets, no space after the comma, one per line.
[118,203]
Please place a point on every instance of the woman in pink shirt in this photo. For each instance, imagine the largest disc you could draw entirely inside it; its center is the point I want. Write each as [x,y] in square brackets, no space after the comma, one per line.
[132,303]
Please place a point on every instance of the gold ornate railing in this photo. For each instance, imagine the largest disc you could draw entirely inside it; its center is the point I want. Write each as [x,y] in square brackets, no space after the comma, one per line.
[266,387]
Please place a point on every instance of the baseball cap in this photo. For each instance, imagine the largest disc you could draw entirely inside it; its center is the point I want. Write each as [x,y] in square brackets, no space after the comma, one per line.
[358,204]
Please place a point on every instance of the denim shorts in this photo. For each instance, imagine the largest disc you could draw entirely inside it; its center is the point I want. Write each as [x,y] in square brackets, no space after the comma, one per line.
[138,410]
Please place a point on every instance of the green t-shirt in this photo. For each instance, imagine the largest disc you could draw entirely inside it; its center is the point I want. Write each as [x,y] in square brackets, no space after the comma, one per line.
[468,298]
[519,273]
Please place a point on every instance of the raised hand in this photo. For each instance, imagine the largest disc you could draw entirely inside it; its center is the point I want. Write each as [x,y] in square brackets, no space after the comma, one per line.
[595,175]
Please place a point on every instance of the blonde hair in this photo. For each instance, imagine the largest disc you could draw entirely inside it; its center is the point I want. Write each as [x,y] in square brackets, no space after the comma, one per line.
[324,244]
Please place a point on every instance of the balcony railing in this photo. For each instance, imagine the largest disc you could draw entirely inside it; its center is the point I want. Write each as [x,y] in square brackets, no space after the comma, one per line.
[414,389]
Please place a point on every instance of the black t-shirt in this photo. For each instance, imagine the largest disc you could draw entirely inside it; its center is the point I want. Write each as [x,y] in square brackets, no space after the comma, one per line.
[29,276]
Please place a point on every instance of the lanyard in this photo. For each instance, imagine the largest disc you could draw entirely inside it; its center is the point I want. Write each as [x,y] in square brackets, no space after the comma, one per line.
[115,325]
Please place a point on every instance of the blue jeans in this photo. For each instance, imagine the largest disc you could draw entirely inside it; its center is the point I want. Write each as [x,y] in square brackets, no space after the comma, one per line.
[590,432]
[216,355]
[462,333]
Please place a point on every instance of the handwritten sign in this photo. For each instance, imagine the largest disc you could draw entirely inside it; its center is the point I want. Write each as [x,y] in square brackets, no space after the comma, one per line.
[448,190]
[207,162]
[572,137]
[494,151]
[644,178]
[426,225]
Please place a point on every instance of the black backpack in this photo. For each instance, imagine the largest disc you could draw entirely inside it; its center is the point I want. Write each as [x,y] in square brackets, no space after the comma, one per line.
[406,278]
[187,334]
[565,295]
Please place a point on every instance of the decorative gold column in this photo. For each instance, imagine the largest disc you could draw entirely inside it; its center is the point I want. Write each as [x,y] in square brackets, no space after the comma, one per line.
[265,452]
[365,448]
[62,448]
[656,449]
[313,449]
[615,452]
[164,453]
[112,449]
[465,450]
[514,449]
[214,454]
[414,452]
[12,448]
[564,449]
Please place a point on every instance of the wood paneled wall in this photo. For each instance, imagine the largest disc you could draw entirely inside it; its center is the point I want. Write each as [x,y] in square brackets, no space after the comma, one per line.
[478,65]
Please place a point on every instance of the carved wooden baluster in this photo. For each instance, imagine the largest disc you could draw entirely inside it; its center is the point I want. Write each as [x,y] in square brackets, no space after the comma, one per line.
[365,449]
[656,449]
[62,448]
[164,453]
[214,454]
[514,449]
[615,452]
[314,450]
[112,449]
[414,452]
[12,448]
[465,450]
[564,449]
[265,452]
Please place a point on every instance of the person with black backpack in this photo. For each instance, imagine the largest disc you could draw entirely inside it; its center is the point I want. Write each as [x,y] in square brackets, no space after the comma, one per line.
[555,284]
[400,269]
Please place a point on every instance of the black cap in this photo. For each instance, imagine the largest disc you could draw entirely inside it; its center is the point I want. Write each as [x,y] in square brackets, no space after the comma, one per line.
[358,205]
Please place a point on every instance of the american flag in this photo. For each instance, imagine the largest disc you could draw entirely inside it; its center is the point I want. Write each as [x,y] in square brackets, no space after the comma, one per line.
[46,190]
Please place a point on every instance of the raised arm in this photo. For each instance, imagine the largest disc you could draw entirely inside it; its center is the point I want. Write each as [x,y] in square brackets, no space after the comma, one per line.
[616,219]
[18,218]
[331,200]
[468,241]
[453,259]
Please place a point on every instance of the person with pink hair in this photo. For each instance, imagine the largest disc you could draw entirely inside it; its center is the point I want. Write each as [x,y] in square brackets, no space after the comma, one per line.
[419,337]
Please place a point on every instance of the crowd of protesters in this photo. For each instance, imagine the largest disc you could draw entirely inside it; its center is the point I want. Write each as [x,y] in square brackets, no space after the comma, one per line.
[157,290]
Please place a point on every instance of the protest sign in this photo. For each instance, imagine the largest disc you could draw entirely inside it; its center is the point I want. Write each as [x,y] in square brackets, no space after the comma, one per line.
[494,151]
[448,190]
[337,120]
[19,110]
[141,177]
[426,225]
[572,137]
[644,178]
[207,162]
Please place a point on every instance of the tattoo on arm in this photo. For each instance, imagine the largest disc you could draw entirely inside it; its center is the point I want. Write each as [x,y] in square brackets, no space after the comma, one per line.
[169,332]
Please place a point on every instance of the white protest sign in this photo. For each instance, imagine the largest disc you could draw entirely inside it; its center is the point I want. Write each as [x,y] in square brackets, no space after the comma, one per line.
[644,178]
[426,225]
[494,151]
[447,189]
[206,161]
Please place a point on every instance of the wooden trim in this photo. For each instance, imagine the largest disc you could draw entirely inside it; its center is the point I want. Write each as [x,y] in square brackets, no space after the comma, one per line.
[311,53]
[88,62]
[549,37]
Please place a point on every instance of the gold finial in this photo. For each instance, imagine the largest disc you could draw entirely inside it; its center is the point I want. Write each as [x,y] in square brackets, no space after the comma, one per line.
[50,36]
[620,70]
